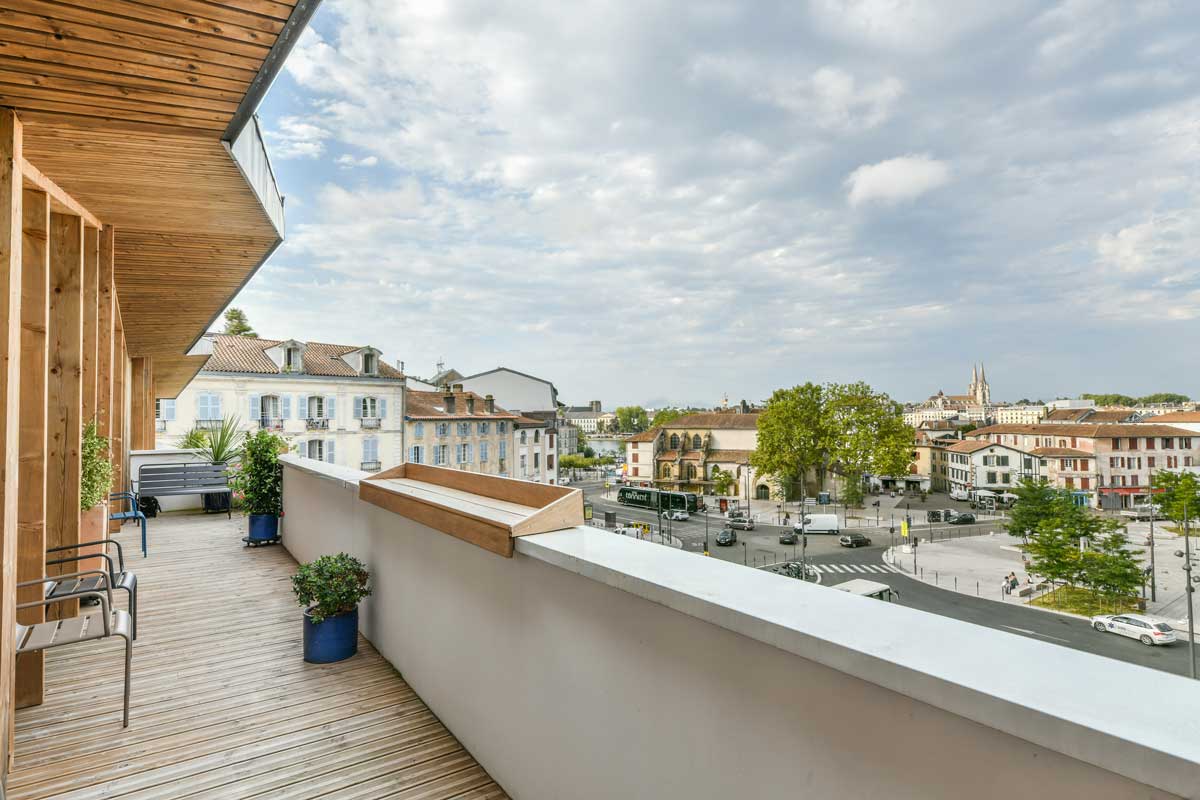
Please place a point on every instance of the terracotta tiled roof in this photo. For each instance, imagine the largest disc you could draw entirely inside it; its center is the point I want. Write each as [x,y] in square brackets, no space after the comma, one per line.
[1175,416]
[667,455]
[729,456]
[528,422]
[715,420]
[1088,431]
[1068,452]
[645,436]
[1067,414]
[431,405]
[247,354]
[1110,415]
[970,446]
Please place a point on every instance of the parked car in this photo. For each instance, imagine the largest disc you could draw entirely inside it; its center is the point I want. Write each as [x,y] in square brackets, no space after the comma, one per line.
[788,537]
[1147,630]
[933,516]
[564,480]
[726,537]
[854,540]
[678,515]
[965,518]
[741,523]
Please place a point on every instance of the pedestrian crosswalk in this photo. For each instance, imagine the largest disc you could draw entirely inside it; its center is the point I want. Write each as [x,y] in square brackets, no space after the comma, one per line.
[877,568]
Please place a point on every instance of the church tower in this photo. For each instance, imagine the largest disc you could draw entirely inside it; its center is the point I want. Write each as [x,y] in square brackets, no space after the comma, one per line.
[984,397]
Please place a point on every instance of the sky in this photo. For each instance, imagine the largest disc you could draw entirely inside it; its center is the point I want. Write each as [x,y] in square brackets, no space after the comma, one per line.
[668,201]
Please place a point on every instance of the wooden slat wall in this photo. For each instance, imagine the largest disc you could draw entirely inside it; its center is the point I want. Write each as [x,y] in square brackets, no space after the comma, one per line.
[104,345]
[31,511]
[139,391]
[91,303]
[11,190]
[64,387]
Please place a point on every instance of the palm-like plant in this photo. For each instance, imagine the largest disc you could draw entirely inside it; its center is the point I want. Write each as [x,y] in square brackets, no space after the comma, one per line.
[223,443]
[195,439]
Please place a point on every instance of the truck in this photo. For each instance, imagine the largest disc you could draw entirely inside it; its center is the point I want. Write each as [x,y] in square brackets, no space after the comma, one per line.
[819,523]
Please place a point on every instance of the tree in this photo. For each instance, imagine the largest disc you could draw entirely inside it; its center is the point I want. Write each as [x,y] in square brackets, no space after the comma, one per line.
[581,441]
[1177,494]
[965,429]
[722,480]
[1164,397]
[632,419]
[665,415]
[1111,399]
[1034,503]
[1055,550]
[588,452]
[869,434]
[793,434]
[236,324]
[1108,568]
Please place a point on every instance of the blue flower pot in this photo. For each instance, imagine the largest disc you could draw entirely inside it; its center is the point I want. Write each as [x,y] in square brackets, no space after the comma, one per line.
[263,527]
[333,639]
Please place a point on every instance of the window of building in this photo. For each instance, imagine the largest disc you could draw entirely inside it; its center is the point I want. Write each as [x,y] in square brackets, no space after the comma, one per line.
[419,430]
[208,405]
[464,429]
[443,429]
[696,441]
[316,449]
[370,447]
[691,472]
[503,449]
[416,454]
[483,452]
[293,359]
[368,408]
[464,453]
[441,454]
[1085,483]
[522,437]
[316,407]
[1168,444]
[483,429]
[370,363]
[1116,444]
[549,461]
[1150,462]
[666,470]
[636,471]
[1185,443]
[524,468]
[164,409]
[1150,441]
[635,457]
[536,459]
[674,441]
[537,436]
[501,428]
[1083,465]
[1133,443]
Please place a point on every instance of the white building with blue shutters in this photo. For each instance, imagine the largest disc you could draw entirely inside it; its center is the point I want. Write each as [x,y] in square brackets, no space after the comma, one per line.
[336,403]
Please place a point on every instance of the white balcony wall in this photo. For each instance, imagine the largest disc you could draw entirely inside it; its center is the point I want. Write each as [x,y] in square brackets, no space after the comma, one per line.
[593,666]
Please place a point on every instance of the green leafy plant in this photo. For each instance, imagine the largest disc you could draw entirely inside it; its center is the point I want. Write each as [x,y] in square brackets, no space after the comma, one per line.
[195,439]
[96,473]
[223,443]
[260,477]
[331,585]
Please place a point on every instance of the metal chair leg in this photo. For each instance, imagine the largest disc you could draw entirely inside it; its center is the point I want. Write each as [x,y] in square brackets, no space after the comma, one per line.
[133,611]
[143,521]
[128,670]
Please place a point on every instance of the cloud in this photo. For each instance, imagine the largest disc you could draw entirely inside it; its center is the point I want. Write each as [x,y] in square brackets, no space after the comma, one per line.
[896,180]
[293,138]
[347,160]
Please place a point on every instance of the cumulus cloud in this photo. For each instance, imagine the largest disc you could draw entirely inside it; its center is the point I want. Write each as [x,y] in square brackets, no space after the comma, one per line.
[896,180]
[753,194]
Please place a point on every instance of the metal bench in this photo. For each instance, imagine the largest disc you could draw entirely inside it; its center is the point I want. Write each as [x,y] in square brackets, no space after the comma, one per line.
[83,628]
[164,480]
[118,576]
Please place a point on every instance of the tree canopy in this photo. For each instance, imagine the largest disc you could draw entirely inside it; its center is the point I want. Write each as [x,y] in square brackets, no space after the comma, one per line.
[1034,504]
[632,419]
[813,427]
[1113,399]
[1104,565]
[1178,495]
[236,324]
[665,415]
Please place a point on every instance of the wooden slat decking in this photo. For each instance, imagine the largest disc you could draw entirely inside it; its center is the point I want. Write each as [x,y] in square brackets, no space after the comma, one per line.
[223,704]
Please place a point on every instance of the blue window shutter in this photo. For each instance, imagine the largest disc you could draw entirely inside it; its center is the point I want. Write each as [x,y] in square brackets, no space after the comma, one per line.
[329,451]
[358,406]
[301,448]
[216,402]
[331,407]
[255,406]
[382,408]
[285,409]
[302,404]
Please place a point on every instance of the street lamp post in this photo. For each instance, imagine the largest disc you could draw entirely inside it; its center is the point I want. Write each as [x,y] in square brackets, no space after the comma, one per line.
[705,531]
[1188,589]
[803,538]
[1153,581]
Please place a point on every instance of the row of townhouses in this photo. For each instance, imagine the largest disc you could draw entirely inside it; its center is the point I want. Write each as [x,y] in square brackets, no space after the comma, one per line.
[346,405]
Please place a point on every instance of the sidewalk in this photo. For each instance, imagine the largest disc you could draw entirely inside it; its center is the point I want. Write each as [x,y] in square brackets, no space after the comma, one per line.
[977,565]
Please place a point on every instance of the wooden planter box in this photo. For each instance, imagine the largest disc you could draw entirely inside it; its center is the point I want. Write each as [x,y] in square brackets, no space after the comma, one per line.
[485,510]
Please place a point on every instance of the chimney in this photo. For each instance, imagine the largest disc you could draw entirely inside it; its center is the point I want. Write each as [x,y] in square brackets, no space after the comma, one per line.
[448,402]
[489,404]
[470,404]
[400,365]
[458,388]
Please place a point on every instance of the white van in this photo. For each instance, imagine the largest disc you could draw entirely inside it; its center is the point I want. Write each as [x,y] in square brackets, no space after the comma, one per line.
[959,494]
[820,523]
[863,588]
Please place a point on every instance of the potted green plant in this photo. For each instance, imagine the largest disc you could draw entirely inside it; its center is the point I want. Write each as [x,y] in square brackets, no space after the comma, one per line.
[329,590]
[259,479]
[221,444]
[95,483]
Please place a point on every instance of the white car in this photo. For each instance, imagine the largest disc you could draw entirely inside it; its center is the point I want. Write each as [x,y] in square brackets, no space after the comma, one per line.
[1147,630]
[678,515]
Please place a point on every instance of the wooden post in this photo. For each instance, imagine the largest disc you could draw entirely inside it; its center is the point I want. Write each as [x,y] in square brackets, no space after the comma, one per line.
[91,304]
[10,384]
[119,438]
[104,340]
[138,392]
[64,390]
[31,505]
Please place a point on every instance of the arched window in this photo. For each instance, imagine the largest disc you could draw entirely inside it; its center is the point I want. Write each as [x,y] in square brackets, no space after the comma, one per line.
[696,441]
[691,472]
[763,492]
[666,470]
[674,441]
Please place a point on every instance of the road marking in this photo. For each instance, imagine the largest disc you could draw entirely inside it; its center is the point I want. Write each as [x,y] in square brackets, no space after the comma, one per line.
[1035,633]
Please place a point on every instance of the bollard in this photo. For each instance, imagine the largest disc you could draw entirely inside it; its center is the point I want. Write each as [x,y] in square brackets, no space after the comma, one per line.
[956,583]
[935,577]
[922,573]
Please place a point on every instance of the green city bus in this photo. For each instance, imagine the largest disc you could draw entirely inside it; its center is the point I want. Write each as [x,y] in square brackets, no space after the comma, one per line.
[659,501]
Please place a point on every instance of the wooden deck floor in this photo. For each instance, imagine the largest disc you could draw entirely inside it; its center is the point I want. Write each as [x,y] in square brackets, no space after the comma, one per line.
[223,704]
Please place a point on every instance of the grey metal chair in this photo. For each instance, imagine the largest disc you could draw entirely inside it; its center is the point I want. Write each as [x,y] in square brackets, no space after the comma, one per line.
[118,576]
[83,628]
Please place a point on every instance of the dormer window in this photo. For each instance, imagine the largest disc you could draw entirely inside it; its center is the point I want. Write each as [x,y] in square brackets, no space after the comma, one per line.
[370,363]
[293,359]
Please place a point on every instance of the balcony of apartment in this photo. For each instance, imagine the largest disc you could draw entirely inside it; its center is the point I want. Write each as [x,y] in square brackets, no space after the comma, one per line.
[223,705]
[370,466]
[371,423]
[316,424]
[270,423]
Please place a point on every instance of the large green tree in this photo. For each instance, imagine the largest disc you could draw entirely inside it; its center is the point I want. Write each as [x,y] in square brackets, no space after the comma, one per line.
[1035,503]
[632,419]
[1057,549]
[722,480]
[665,415]
[1177,495]
[1111,399]
[869,435]
[1165,397]
[793,434]
[236,324]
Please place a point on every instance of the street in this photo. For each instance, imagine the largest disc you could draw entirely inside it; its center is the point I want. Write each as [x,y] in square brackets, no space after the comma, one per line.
[761,547]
